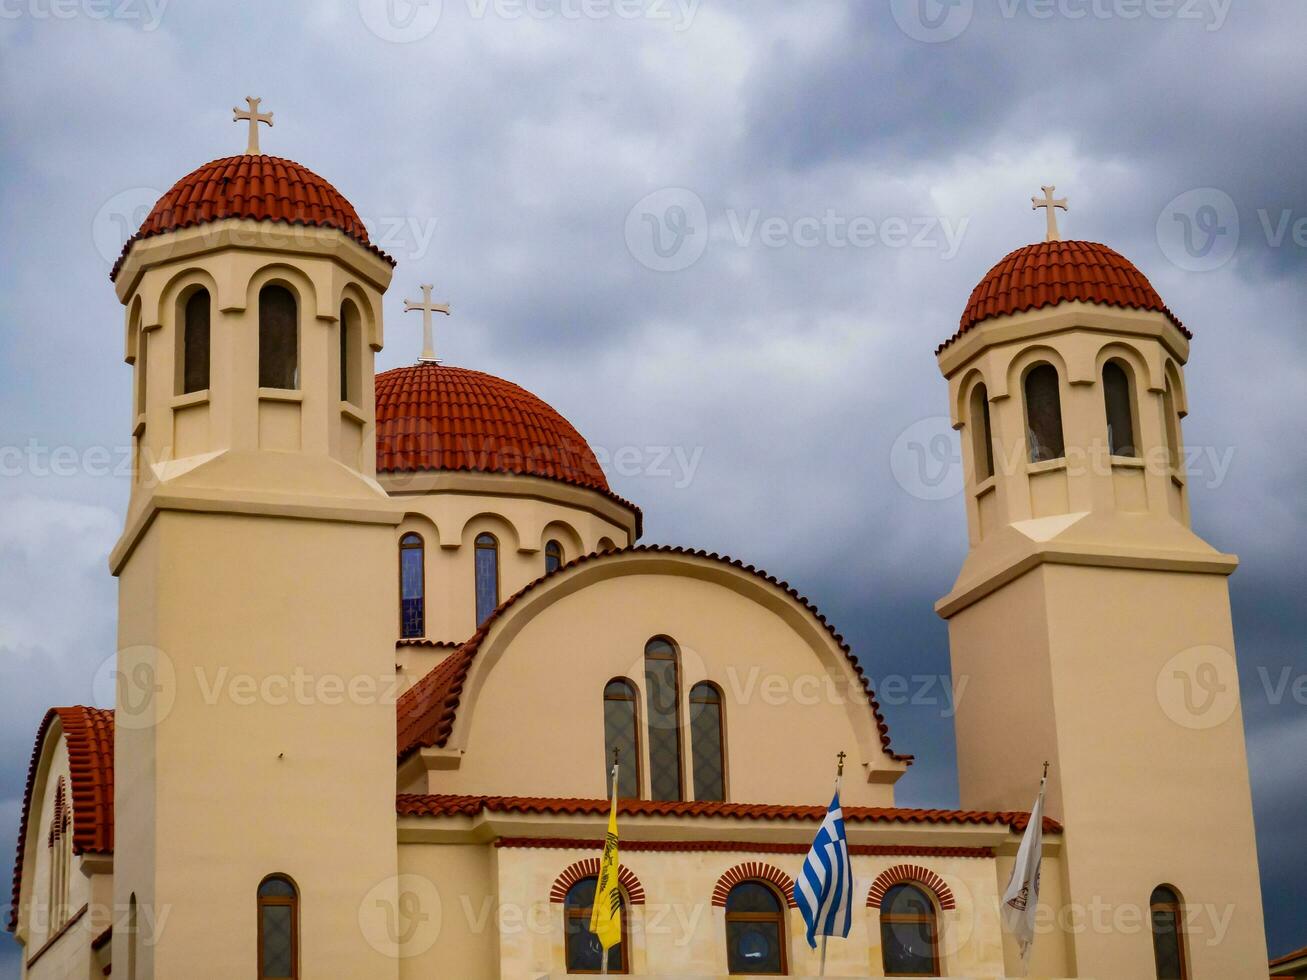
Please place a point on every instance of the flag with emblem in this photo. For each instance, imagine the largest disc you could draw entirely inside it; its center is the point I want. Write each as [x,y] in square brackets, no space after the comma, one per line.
[606,914]
[1021,900]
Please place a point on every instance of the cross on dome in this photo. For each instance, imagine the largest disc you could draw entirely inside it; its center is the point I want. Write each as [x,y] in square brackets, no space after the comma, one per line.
[1051,204]
[427,307]
[255,117]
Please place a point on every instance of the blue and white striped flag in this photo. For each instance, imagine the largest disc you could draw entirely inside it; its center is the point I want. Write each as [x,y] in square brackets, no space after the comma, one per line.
[824,889]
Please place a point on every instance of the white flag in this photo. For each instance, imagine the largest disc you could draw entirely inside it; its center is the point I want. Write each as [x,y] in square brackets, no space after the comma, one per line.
[1021,900]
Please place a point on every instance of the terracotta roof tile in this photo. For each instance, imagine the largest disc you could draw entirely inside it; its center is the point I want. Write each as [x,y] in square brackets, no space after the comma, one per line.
[427,710]
[261,188]
[88,733]
[418,805]
[1049,273]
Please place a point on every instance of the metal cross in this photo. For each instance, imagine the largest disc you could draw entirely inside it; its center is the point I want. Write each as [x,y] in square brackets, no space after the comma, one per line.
[427,307]
[1052,205]
[255,117]
[842,756]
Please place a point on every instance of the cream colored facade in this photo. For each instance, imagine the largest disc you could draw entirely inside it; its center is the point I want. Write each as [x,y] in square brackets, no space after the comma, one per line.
[256,726]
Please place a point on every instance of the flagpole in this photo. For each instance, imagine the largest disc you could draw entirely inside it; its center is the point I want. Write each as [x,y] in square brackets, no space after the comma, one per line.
[603,956]
[839,776]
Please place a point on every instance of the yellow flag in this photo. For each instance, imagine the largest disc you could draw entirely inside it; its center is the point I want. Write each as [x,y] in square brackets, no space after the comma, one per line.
[606,915]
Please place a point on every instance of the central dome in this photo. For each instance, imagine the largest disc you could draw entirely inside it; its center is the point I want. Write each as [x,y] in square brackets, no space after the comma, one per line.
[433,417]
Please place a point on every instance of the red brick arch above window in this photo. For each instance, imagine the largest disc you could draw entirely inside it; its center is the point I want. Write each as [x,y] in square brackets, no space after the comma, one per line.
[912,874]
[589,868]
[753,871]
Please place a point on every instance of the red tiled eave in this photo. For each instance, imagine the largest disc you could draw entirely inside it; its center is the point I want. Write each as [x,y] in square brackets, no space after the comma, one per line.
[88,733]
[258,188]
[417,805]
[1048,273]
[426,711]
[1297,954]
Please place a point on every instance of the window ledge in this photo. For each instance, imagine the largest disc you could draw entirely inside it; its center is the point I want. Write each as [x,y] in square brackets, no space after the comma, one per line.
[350,410]
[1178,479]
[191,398]
[1047,465]
[138,429]
[985,485]
[280,395]
[1128,462]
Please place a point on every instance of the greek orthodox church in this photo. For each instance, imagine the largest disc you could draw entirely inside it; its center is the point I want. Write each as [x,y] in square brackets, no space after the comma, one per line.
[381,637]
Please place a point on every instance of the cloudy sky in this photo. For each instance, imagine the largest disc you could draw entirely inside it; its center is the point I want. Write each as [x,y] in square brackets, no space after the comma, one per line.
[727,234]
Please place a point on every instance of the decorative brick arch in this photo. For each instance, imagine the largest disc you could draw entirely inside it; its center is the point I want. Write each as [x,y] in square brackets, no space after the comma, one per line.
[753,871]
[911,874]
[589,868]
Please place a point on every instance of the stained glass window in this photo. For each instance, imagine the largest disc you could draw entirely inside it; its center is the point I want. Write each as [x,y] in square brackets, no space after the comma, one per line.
[278,339]
[584,954]
[621,732]
[908,936]
[195,343]
[278,929]
[1120,413]
[755,930]
[487,576]
[553,557]
[1168,939]
[1044,414]
[412,588]
[707,742]
[662,687]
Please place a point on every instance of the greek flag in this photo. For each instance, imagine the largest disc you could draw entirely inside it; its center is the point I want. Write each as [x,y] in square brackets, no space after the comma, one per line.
[824,889]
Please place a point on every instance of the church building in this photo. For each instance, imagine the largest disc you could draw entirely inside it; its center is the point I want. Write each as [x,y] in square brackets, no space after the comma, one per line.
[381,636]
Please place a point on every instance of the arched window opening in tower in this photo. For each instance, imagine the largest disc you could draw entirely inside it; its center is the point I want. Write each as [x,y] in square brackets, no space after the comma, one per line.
[1118,399]
[755,930]
[195,343]
[1172,421]
[350,383]
[278,339]
[662,693]
[622,732]
[1044,414]
[982,446]
[412,587]
[487,576]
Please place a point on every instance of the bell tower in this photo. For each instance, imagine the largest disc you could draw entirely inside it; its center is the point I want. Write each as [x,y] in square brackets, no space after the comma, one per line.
[255,712]
[1092,624]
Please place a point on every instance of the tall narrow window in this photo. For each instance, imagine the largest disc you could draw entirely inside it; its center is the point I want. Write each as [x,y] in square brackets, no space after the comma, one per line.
[584,954]
[553,557]
[195,343]
[1118,399]
[132,930]
[412,587]
[1044,414]
[707,742]
[349,354]
[278,929]
[755,930]
[278,339]
[142,372]
[621,732]
[1168,934]
[1172,422]
[662,692]
[982,445]
[487,576]
[909,937]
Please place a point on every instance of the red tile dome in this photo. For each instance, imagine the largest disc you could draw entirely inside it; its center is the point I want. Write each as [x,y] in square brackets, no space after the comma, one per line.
[1049,273]
[261,188]
[434,417]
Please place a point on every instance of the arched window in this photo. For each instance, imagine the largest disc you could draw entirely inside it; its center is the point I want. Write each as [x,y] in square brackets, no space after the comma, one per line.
[61,856]
[1168,934]
[982,445]
[195,343]
[584,954]
[278,338]
[142,372]
[755,930]
[487,576]
[662,693]
[1172,422]
[553,557]
[412,587]
[707,742]
[909,935]
[1118,399]
[621,732]
[279,927]
[349,354]
[1044,414]
[606,545]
